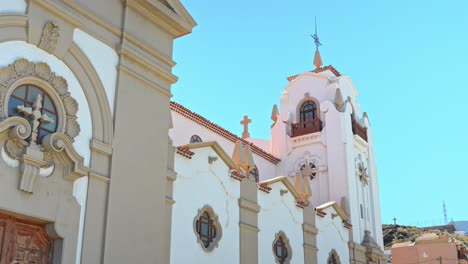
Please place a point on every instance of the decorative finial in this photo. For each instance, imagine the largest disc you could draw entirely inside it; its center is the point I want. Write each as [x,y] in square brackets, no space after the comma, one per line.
[317,58]
[245,122]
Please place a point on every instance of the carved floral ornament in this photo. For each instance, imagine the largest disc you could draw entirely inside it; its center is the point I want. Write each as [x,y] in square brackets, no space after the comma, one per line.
[21,146]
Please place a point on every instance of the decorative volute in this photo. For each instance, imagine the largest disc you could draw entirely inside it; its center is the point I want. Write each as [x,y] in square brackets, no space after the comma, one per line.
[340,103]
[242,156]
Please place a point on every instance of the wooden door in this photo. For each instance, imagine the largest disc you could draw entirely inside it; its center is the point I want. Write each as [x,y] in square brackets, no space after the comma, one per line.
[23,242]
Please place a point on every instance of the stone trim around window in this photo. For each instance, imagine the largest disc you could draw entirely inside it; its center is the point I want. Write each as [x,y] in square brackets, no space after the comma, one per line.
[39,74]
[285,239]
[333,258]
[215,222]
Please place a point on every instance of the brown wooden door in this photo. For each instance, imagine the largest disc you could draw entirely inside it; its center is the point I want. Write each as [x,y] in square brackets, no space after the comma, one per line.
[23,242]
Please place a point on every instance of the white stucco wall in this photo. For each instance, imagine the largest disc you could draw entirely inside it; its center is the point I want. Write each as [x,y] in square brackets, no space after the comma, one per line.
[279,213]
[332,235]
[198,184]
[184,128]
[13,7]
[104,60]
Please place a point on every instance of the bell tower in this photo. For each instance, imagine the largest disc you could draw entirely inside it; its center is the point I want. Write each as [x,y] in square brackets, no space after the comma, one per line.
[319,130]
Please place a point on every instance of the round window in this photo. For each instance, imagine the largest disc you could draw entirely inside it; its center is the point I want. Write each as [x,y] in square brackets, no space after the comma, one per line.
[26,99]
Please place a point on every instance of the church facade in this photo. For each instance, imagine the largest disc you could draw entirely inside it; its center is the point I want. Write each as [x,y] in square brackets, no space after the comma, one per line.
[97,165]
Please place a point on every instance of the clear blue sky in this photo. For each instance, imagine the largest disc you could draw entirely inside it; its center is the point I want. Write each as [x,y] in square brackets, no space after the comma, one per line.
[407,59]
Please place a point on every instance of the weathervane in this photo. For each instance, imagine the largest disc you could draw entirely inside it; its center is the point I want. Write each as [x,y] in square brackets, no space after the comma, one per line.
[315,36]
[317,57]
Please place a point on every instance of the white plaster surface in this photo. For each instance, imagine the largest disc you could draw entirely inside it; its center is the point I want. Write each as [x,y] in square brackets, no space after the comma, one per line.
[332,235]
[13,6]
[104,60]
[12,50]
[279,213]
[198,184]
[184,128]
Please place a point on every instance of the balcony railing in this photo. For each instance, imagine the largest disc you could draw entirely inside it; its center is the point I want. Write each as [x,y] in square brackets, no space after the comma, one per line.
[306,127]
[359,130]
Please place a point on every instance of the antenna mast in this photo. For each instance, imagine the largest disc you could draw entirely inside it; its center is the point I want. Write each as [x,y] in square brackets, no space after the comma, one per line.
[445,214]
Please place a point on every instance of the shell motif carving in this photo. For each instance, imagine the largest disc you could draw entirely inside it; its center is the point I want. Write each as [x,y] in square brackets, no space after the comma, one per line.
[43,71]
[71,105]
[14,149]
[7,75]
[73,128]
[23,67]
[60,85]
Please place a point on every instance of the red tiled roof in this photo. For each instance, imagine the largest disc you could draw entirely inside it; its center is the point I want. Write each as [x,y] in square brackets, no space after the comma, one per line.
[318,70]
[180,109]
[185,152]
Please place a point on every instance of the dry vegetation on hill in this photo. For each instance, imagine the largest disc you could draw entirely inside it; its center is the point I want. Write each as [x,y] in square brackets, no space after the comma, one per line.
[393,234]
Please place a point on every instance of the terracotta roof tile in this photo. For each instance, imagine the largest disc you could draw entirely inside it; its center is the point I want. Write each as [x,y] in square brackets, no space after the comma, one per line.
[318,70]
[185,152]
[180,109]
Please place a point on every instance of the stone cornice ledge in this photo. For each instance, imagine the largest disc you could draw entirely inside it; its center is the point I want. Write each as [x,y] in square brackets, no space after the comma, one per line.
[248,227]
[249,205]
[101,147]
[145,63]
[159,15]
[59,9]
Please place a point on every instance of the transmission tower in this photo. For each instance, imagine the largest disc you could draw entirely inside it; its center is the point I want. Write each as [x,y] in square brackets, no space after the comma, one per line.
[445,214]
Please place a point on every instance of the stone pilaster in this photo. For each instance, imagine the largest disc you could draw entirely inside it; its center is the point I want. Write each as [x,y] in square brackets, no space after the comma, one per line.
[310,235]
[248,222]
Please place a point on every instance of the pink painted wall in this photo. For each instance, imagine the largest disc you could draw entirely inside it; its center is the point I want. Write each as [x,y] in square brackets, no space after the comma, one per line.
[425,253]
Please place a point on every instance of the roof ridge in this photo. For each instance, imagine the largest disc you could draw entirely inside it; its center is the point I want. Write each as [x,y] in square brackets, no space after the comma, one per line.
[318,70]
[177,107]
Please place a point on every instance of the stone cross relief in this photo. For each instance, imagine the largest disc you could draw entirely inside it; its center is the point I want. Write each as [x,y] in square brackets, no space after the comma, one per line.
[37,117]
[33,158]
[362,172]
[245,122]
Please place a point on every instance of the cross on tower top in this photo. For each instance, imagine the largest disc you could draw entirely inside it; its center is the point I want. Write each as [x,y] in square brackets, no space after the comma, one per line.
[317,57]
[246,121]
[36,117]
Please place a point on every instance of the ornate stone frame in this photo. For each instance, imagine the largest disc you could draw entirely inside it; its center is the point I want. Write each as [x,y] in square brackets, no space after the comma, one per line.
[23,71]
[307,98]
[333,253]
[219,232]
[286,242]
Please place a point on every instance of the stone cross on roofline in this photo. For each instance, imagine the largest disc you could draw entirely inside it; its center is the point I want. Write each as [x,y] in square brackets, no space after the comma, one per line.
[246,121]
[36,117]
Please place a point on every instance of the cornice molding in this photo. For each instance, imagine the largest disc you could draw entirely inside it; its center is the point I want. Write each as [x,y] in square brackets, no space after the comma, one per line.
[59,9]
[249,205]
[147,64]
[161,16]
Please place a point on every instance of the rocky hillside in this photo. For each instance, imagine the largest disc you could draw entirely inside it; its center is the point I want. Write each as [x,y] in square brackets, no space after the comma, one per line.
[393,234]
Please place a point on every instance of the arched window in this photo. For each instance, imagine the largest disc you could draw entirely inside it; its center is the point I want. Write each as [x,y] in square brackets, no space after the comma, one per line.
[254,172]
[282,249]
[195,139]
[26,99]
[207,229]
[308,111]
[333,258]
